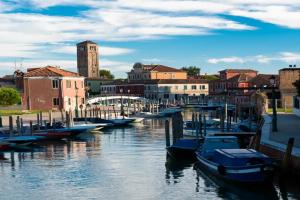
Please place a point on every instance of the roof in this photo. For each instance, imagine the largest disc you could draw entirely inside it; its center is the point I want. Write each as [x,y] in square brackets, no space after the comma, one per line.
[50,71]
[238,70]
[157,68]
[263,79]
[290,69]
[86,42]
[240,78]
[157,81]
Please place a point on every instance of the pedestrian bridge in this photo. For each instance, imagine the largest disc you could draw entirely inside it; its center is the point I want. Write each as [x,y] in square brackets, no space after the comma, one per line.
[99,99]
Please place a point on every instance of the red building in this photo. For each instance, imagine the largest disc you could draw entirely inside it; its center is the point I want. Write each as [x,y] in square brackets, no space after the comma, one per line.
[237,85]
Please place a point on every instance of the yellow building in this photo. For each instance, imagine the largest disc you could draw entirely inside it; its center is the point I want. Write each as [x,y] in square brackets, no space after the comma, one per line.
[155,72]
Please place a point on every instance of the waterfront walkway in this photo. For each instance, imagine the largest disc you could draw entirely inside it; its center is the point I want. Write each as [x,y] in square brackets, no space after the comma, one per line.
[288,126]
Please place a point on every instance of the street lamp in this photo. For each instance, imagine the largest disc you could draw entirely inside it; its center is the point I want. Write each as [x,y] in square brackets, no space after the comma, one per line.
[122,108]
[274,119]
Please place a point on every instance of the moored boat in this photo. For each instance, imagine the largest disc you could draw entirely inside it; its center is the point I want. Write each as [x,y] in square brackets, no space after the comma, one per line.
[184,148]
[221,156]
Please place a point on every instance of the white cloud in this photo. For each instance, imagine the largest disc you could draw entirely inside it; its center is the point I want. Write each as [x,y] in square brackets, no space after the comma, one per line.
[151,60]
[287,57]
[226,60]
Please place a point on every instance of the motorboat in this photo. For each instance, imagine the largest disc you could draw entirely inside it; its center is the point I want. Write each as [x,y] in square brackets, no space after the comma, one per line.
[222,157]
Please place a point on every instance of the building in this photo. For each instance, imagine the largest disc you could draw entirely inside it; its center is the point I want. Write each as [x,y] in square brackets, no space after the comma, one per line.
[13,81]
[118,87]
[287,77]
[232,85]
[93,85]
[87,59]
[154,72]
[52,88]
[189,90]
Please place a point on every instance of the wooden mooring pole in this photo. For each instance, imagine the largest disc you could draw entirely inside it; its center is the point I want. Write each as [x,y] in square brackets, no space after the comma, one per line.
[287,159]
[1,124]
[167,132]
[11,128]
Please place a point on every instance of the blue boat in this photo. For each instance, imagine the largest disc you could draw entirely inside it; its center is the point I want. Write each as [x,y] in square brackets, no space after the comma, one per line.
[184,148]
[222,157]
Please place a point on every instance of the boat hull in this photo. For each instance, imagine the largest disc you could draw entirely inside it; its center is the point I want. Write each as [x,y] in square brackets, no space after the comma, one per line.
[244,174]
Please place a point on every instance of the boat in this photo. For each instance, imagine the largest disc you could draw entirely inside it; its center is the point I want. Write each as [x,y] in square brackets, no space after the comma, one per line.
[93,126]
[222,157]
[169,111]
[4,146]
[184,148]
[61,133]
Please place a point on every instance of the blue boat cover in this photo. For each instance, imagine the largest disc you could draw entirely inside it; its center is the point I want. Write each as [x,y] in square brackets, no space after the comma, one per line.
[240,157]
[186,144]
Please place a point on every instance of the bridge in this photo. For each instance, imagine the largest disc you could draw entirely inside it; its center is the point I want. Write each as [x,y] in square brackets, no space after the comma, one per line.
[98,99]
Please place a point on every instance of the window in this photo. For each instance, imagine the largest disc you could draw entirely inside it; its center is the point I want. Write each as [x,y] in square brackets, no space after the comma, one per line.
[55,83]
[203,87]
[68,83]
[176,87]
[194,87]
[56,101]
[82,100]
[69,101]
[185,87]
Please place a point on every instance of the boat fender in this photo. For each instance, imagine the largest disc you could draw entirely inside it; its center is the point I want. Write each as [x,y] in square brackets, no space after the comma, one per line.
[221,170]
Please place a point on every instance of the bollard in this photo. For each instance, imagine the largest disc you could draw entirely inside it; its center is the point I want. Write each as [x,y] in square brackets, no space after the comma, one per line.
[62,116]
[167,132]
[18,125]
[11,126]
[174,127]
[50,118]
[41,118]
[22,126]
[287,159]
[200,125]
[38,121]
[1,124]
[31,127]
[85,116]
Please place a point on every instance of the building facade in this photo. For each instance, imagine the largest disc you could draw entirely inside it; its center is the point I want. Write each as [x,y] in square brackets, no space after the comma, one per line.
[287,77]
[177,90]
[154,72]
[88,59]
[52,88]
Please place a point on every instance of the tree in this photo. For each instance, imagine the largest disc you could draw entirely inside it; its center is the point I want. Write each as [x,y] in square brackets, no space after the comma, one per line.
[106,74]
[297,85]
[9,96]
[210,77]
[192,70]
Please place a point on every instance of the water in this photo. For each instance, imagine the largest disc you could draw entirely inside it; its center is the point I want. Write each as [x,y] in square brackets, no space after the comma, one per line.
[127,163]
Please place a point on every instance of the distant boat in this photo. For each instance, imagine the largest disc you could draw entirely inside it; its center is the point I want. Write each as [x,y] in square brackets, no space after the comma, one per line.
[61,133]
[221,156]
[4,146]
[170,111]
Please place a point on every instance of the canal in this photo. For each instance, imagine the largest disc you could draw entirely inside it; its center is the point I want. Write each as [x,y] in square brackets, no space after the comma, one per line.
[128,163]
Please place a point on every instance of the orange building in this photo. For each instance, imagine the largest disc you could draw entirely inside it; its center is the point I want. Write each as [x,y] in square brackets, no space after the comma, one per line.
[154,72]
[52,88]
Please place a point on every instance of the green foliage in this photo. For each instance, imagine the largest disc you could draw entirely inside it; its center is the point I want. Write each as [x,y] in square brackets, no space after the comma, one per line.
[9,96]
[297,85]
[106,74]
[210,77]
[17,112]
[192,70]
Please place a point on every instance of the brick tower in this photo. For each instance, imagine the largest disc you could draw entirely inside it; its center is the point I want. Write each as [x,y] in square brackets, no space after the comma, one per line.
[87,59]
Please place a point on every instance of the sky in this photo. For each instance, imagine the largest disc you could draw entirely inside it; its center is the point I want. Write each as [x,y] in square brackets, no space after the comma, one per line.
[212,35]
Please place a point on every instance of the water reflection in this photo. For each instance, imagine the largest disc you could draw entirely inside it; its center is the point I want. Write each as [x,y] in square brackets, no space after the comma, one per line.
[229,190]
[175,168]
[125,163]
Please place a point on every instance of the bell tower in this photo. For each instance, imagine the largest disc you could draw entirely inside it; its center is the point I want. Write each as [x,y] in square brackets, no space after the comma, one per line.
[87,59]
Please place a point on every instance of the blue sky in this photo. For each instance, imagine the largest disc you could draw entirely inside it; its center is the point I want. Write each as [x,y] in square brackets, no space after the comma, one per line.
[213,35]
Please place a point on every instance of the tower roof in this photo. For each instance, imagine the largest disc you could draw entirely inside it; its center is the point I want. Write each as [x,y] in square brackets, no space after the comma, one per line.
[87,42]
